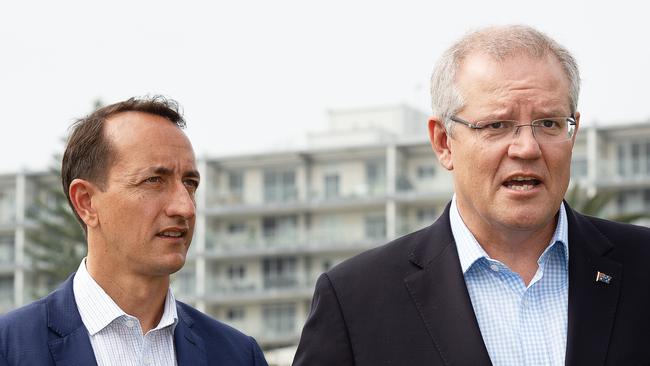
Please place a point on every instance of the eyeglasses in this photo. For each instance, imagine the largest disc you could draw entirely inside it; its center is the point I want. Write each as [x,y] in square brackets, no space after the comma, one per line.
[545,130]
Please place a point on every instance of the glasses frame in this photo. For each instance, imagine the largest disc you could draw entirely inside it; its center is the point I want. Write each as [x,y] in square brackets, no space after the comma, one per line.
[475,126]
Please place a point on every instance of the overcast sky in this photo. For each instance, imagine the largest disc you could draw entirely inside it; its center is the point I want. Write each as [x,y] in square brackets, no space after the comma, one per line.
[258,75]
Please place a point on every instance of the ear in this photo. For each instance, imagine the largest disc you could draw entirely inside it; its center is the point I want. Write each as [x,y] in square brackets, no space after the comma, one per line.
[81,194]
[440,142]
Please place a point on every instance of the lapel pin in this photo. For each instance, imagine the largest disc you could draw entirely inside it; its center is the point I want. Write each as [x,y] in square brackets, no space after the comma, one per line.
[602,277]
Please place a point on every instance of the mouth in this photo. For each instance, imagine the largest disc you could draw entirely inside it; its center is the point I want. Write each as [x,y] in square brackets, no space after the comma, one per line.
[522,182]
[172,233]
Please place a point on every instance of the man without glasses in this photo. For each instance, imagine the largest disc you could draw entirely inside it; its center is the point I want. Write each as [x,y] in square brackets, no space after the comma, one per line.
[509,274]
[130,176]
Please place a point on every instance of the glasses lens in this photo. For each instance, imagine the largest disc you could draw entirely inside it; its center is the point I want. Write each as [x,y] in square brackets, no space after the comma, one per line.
[496,130]
[553,129]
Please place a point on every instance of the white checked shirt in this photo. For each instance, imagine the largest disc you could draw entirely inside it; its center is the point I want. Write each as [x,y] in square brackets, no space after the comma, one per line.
[520,325]
[115,336]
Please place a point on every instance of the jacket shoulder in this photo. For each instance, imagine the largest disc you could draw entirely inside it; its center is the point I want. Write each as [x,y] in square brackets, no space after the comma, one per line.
[390,258]
[24,332]
[623,236]
[210,326]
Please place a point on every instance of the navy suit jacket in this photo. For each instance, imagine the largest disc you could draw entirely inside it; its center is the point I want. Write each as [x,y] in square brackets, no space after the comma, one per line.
[406,303]
[50,332]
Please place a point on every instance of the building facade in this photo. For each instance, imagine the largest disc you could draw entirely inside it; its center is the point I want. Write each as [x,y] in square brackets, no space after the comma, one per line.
[270,223]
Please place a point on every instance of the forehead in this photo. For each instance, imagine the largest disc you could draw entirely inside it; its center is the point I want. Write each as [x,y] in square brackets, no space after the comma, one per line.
[141,140]
[522,79]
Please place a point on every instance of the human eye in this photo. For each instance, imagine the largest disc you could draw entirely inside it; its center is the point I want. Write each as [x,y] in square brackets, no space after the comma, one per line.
[191,184]
[154,179]
[497,125]
[549,123]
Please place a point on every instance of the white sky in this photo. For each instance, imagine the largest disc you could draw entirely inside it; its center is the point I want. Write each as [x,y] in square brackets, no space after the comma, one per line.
[257,75]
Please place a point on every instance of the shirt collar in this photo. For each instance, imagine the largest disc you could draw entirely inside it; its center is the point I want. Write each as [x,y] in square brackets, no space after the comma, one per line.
[98,310]
[470,251]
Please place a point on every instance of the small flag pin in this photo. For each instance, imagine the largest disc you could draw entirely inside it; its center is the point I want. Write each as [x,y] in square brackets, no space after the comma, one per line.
[602,277]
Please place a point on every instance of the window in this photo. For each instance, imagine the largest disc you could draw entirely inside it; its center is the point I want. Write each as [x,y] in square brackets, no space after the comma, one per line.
[280,186]
[280,272]
[331,185]
[636,158]
[579,167]
[375,227]
[327,264]
[621,159]
[426,215]
[236,271]
[375,175]
[6,248]
[6,289]
[184,282]
[647,158]
[236,182]
[279,318]
[7,205]
[426,171]
[235,313]
[280,229]
[235,228]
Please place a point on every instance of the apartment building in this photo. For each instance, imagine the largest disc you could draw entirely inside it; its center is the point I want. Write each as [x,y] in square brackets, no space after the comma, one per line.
[18,194]
[270,223]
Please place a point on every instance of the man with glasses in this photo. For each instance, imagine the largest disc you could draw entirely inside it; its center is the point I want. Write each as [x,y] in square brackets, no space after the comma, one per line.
[509,274]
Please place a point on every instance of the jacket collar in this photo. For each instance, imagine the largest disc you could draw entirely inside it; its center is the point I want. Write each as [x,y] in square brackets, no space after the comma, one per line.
[71,344]
[440,295]
[450,319]
[592,304]
[190,347]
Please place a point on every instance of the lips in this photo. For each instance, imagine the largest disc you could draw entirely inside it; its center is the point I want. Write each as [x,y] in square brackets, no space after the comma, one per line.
[173,233]
[522,182]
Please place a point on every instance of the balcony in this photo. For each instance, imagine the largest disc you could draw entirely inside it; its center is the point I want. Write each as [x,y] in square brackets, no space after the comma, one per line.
[289,199]
[623,173]
[230,292]
[318,240]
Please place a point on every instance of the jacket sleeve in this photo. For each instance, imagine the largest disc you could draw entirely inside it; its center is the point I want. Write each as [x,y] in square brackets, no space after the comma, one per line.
[258,356]
[325,340]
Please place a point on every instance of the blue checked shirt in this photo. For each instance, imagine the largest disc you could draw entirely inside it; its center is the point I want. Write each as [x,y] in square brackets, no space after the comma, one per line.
[520,325]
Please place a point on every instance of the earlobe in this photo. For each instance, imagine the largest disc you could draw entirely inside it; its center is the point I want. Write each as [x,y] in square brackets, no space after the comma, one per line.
[81,195]
[440,142]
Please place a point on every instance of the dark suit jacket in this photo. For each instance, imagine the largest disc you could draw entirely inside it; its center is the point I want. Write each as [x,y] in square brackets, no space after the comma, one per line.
[406,303]
[50,332]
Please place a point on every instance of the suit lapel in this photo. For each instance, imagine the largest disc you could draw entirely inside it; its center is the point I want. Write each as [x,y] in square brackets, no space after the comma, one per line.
[440,295]
[190,348]
[72,346]
[592,304]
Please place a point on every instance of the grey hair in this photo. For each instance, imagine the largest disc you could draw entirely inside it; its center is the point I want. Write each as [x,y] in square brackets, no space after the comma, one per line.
[500,43]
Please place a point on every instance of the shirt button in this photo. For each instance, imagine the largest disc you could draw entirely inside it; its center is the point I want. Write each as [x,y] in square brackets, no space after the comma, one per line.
[130,323]
[494,267]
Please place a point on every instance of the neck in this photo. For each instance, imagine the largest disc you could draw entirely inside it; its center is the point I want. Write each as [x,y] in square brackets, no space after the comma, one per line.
[139,296]
[517,248]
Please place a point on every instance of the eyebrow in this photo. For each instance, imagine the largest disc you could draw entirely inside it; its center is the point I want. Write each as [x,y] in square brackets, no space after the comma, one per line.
[161,170]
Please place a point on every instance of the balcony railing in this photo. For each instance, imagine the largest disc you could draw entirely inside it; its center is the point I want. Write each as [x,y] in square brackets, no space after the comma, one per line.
[318,238]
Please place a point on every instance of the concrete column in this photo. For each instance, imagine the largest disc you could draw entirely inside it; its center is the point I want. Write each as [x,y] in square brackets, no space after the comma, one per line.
[592,159]
[19,274]
[391,179]
[199,237]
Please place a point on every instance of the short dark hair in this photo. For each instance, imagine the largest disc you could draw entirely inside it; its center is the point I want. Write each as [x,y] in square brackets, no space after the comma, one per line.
[88,152]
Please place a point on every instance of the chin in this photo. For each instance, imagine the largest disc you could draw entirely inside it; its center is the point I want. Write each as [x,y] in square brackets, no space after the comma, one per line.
[173,264]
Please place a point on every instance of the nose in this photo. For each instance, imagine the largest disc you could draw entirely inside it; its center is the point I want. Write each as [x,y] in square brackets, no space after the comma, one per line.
[524,145]
[181,203]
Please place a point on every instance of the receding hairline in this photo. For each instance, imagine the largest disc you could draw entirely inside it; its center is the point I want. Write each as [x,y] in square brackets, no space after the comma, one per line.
[110,130]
